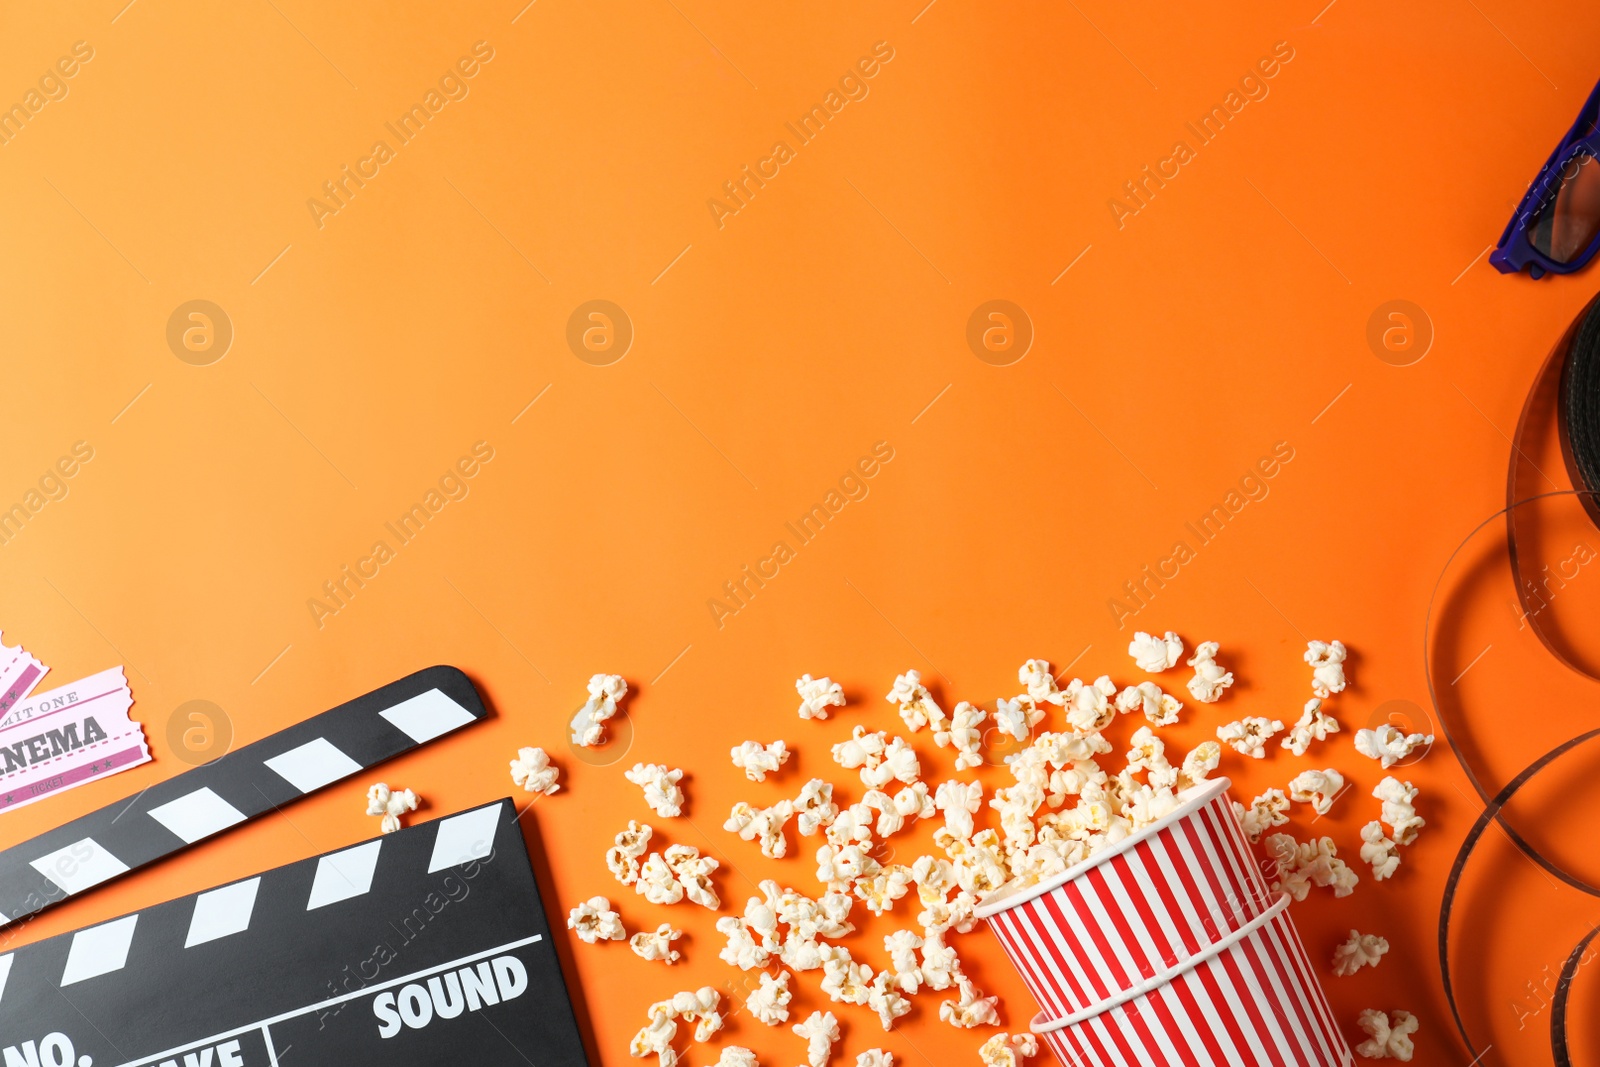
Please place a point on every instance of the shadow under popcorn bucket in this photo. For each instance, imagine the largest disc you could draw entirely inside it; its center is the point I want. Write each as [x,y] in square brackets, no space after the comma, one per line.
[1251,999]
[1133,910]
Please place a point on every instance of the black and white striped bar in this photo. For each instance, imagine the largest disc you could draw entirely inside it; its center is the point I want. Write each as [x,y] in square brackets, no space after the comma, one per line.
[245,783]
[424,947]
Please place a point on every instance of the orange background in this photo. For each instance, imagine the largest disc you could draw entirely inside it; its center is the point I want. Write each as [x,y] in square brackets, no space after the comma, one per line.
[769,354]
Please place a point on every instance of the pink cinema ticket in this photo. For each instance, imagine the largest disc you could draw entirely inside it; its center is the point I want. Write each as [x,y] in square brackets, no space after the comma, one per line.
[19,673]
[68,736]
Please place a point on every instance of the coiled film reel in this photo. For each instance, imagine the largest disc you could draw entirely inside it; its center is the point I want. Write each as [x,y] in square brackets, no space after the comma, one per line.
[1512,653]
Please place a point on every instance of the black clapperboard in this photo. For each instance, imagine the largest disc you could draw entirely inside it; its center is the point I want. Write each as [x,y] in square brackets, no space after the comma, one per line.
[422,947]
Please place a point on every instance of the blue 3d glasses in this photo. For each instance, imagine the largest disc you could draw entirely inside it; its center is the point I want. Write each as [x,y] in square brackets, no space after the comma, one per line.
[1556,229]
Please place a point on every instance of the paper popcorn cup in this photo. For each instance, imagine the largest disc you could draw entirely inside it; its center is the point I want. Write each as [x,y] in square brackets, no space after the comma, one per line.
[1160,897]
[1250,999]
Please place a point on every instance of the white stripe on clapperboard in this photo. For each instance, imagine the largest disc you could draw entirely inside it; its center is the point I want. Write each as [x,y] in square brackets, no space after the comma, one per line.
[263,1024]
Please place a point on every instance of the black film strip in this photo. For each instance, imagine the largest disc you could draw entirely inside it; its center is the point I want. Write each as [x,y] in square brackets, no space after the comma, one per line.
[1580,401]
[1570,380]
[1491,813]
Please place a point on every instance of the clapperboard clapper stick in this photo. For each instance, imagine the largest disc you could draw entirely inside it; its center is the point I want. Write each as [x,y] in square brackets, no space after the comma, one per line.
[424,947]
[258,778]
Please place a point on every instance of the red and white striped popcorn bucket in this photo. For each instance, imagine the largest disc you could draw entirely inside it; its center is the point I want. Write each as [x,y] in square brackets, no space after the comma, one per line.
[1250,1000]
[1135,910]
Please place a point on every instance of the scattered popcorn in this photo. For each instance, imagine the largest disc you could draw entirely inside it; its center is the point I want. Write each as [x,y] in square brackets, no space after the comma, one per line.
[801,953]
[817,695]
[964,735]
[815,807]
[864,749]
[660,787]
[1327,667]
[381,800]
[1379,852]
[1015,719]
[1149,754]
[805,954]
[1314,863]
[1317,788]
[623,858]
[1061,808]
[917,706]
[843,979]
[757,761]
[826,916]
[879,891]
[1314,724]
[763,824]
[958,802]
[1143,805]
[605,693]
[657,945]
[682,871]
[1016,806]
[838,866]
[1389,1040]
[1044,859]
[898,763]
[701,1007]
[770,1003]
[853,825]
[1040,683]
[1008,1050]
[938,918]
[1388,745]
[1160,708]
[1199,763]
[1399,810]
[885,998]
[656,882]
[1361,950]
[820,1031]
[941,967]
[656,1036]
[593,921]
[1063,748]
[973,1009]
[742,950]
[693,873]
[889,820]
[1266,811]
[760,919]
[934,877]
[734,1056]
[912,802]
[902,948]
[1249,736]
[1156,654]
[833,911]
[533,772]
[1089,706]
[710,1022]
[761,913]
[1209,679]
